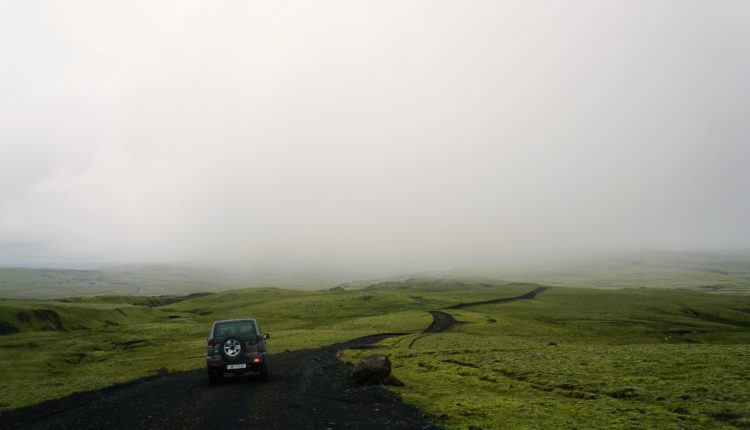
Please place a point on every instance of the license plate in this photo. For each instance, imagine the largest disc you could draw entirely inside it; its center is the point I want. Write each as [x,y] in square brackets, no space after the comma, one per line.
[236,366]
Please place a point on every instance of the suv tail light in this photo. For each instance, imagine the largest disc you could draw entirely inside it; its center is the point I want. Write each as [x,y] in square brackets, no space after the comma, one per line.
[259,338]
[212,342]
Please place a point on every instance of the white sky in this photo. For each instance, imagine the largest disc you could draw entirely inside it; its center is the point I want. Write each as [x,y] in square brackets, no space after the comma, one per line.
[379,133]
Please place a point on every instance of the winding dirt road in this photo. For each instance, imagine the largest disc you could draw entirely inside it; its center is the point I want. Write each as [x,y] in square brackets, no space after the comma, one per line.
[527,296]
[308,390]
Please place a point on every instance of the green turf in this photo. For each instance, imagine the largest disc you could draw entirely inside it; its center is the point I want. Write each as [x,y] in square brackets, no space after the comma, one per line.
[581,358]
[70,345]
[571,358]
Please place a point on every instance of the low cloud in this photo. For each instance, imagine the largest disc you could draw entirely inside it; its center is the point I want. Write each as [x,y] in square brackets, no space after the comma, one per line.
[425,134]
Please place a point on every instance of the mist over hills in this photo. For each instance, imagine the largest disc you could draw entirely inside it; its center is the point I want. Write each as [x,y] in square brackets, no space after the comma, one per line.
[147,280]
[714,272]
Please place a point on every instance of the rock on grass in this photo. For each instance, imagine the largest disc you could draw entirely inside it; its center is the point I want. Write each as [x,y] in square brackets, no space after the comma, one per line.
[371,370]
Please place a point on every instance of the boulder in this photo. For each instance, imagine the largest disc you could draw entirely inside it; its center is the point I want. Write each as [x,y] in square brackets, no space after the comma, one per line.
[371,370]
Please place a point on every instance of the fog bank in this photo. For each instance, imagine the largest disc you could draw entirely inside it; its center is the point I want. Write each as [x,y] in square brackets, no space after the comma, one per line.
[405,135]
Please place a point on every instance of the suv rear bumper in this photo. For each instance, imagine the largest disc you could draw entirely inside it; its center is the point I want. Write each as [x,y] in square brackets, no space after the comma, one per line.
[251,364]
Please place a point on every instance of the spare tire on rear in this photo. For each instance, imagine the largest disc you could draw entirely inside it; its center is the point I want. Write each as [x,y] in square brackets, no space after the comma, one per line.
[232,348]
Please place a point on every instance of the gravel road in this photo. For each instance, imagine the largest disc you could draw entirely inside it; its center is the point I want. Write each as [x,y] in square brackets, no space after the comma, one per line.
[308,390]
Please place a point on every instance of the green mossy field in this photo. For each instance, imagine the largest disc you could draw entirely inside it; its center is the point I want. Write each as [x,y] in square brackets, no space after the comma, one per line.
[582,358]
[570,358]
[77,344]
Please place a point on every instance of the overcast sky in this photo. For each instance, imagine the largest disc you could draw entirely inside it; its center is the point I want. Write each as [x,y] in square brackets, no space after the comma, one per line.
[378,133]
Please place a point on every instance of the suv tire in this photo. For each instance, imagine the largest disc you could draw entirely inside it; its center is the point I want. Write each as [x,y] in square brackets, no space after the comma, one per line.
[263,372]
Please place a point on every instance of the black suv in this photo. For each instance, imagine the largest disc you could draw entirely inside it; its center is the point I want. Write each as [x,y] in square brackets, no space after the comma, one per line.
[236,346]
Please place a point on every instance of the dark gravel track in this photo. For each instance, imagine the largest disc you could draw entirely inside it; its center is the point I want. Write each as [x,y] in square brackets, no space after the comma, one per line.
[308,390]
[528,296]
[441,321]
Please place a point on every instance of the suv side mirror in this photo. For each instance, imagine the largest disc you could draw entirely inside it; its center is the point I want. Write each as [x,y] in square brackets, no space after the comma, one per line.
[266,336]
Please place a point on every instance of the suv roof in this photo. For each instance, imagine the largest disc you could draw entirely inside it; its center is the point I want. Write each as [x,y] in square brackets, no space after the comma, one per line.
[236,319]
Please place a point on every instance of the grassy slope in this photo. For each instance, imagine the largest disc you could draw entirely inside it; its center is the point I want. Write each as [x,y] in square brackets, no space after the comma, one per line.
[635,358]
[105,340]
[580,358]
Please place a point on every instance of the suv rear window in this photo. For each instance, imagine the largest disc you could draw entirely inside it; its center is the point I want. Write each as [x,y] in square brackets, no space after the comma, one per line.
[235,328]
